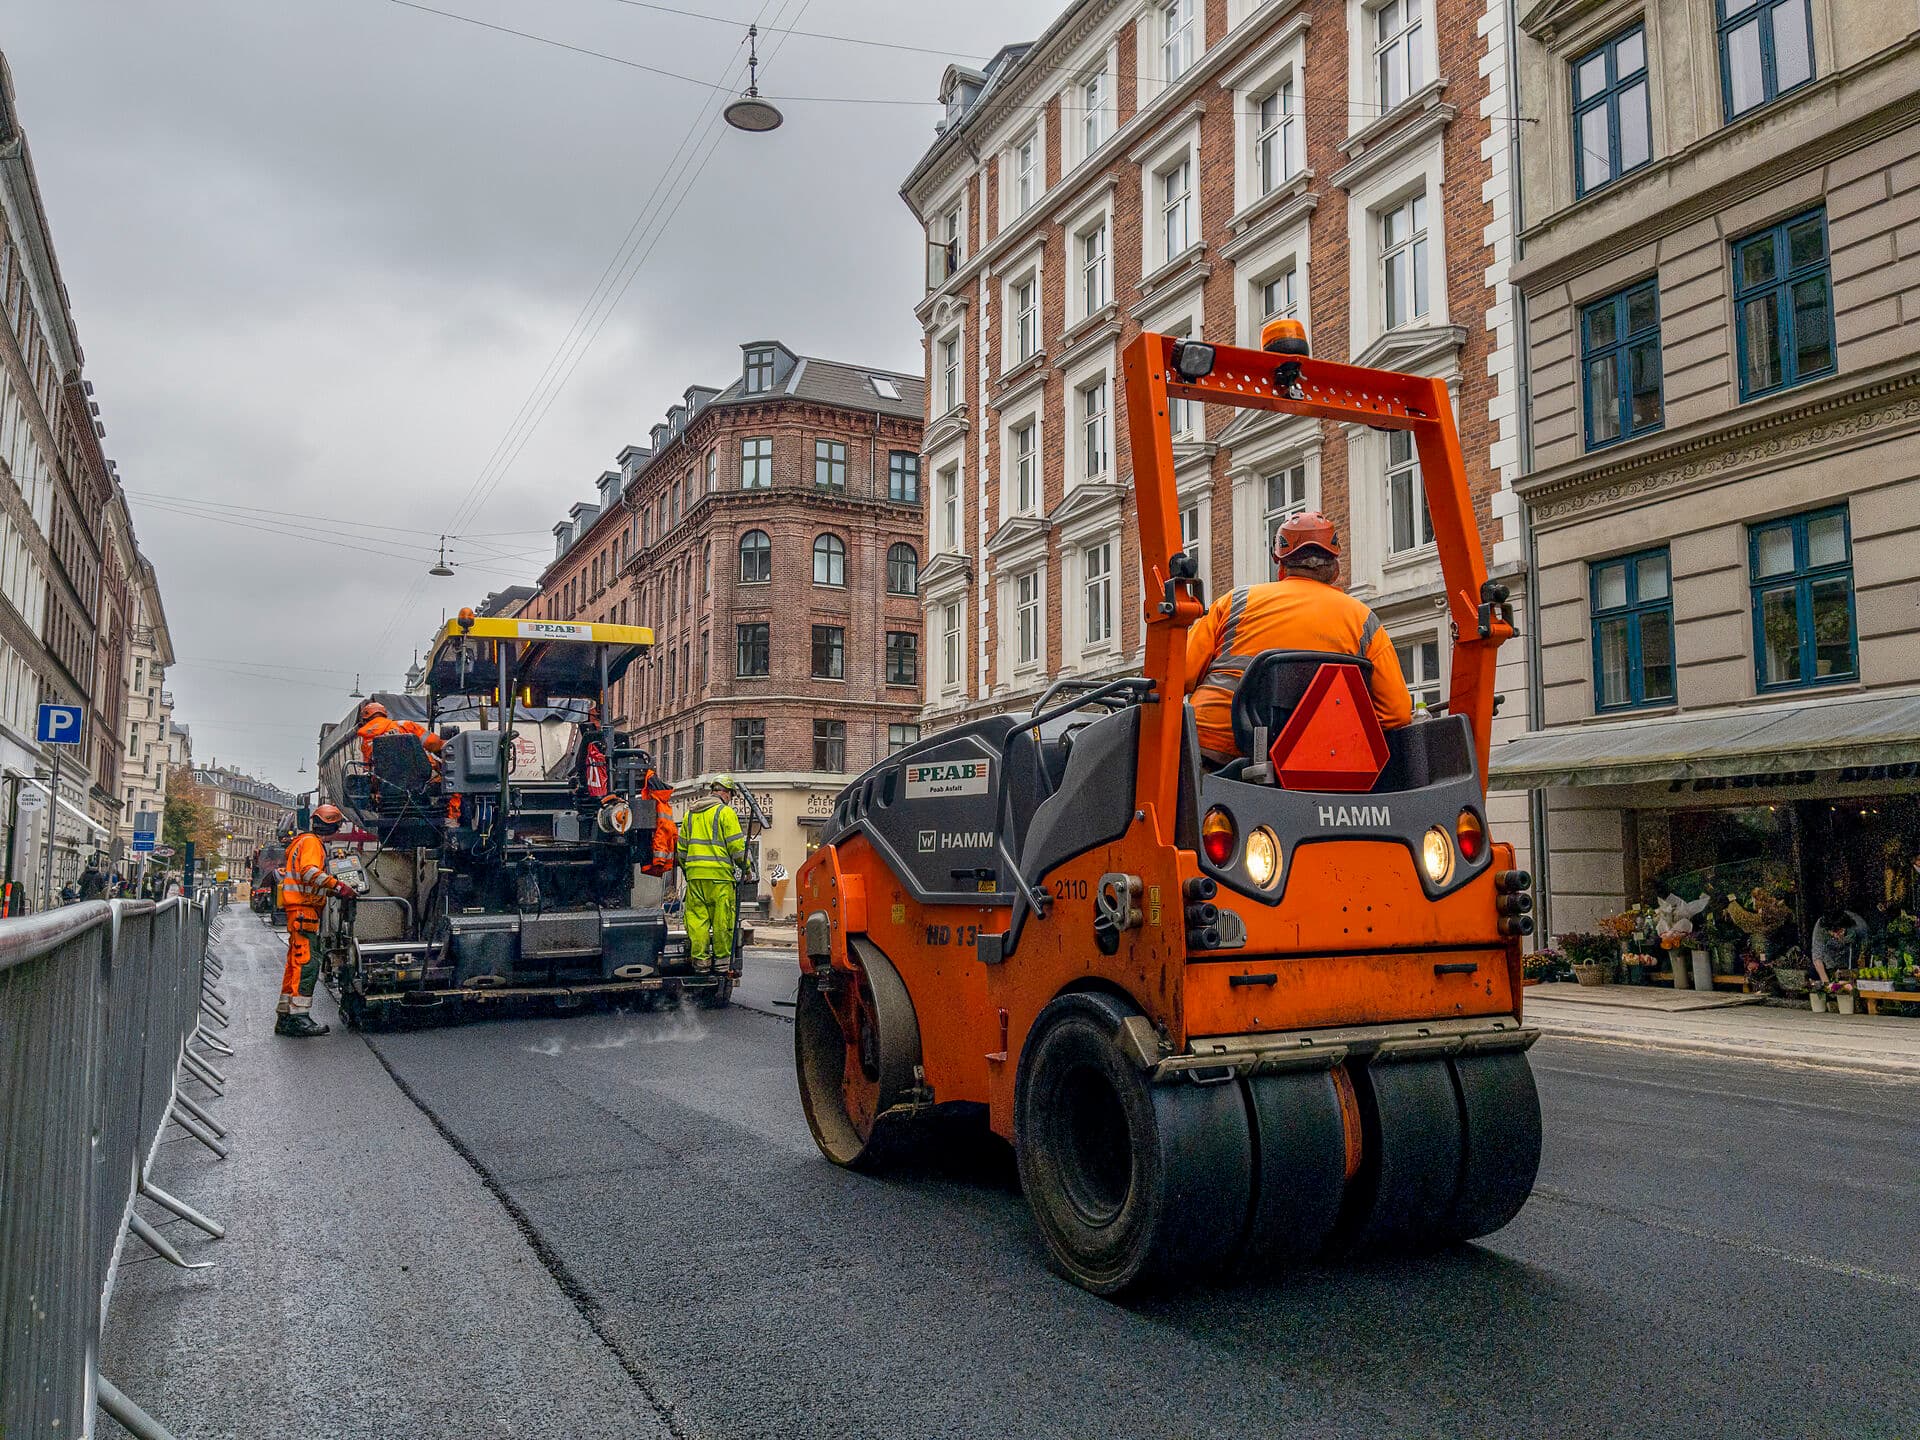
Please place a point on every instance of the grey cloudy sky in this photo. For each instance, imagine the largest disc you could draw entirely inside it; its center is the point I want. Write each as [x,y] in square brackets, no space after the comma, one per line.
[320,252]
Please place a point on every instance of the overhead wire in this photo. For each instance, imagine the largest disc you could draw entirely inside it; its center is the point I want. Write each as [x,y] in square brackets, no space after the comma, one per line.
[343,520]
[805,34]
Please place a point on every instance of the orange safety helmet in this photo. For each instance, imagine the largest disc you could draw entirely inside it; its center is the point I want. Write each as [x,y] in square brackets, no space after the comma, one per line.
[1309,530]
[371,710]
[326,819]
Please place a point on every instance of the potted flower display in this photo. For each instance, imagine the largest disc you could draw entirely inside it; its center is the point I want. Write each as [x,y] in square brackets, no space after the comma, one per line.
[1817,999]
[1791,974]
[1544,965]
[1592,956]
[1673,919]
[1840,994]
[1759,913]
[1624,929]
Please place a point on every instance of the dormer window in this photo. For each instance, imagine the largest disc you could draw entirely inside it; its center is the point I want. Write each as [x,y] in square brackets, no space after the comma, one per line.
[759,372]
[883,387]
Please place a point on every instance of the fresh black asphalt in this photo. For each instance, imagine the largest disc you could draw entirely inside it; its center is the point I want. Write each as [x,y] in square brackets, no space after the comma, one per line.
[1716,1248]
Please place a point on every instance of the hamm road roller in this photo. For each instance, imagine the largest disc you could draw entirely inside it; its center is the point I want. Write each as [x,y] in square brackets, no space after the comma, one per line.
[1227,1017]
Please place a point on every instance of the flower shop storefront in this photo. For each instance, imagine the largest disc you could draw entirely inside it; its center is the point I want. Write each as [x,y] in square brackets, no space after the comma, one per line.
[1733,851]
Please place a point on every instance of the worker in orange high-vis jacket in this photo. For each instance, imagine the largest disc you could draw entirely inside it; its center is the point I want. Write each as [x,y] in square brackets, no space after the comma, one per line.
[375,722]
[305,885]
[1303,610]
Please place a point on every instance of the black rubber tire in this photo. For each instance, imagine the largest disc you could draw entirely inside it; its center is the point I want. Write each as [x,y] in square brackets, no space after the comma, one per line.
[719,997]
[1403,1197]
[1127,1181]
[820,1056]
[1501,1110]
[1300,1152]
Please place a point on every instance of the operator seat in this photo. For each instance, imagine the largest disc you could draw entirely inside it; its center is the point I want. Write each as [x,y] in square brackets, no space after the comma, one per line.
[1274,684]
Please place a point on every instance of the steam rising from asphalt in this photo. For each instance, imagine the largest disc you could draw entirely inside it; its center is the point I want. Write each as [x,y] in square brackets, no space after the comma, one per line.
[664,1029]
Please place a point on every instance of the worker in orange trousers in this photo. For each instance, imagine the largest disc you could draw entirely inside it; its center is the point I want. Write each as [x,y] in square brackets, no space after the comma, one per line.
[305,885]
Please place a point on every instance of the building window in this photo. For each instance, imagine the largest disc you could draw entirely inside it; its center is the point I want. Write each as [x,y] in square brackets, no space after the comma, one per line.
[713,471]
[950,671]
[949,372]
[902,737]
[1286,495]
[1620,360]
[756,558]
[1612,115]
[1399,63]
[1096,579]
[1420,665]
[829,560]
[759,371]
[950,509]
[699,751]
[1176,39]
[756,464]
[903,570]
[829,652]
[903,657]
[830,464]
[1632,631]
[750,649]
[903,476]
[1026,319]
[1026,168]
[1181,412]
[943,248]
[1403,260]
[1803,623]
[1275,141]
[1766,49]
[749,744]
[1093,429]
[1176,209]
[1410,523]
[1026,467]
[1093,119]
[1093,269]
[1280,296]
[1190,541]
[830,745]
[1783,305]
[1026,610]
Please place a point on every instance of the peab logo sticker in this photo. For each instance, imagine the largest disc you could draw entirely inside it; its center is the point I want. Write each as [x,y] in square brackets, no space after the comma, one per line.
[948,777]
[553,630]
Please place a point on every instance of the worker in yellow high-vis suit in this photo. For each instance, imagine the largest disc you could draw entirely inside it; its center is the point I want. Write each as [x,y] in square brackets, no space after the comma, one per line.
[712,852]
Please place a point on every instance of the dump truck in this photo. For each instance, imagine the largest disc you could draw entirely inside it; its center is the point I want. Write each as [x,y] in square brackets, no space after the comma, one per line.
[1227,1018]
[522,861]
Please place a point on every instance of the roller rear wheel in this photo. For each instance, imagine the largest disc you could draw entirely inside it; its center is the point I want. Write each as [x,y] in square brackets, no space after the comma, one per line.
[855,1050]
[1501,1111]
[1301,1150]
[1403,1195]
[1127,1181]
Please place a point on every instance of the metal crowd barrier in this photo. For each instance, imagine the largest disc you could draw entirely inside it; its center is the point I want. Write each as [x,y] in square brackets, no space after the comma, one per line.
[100,1006]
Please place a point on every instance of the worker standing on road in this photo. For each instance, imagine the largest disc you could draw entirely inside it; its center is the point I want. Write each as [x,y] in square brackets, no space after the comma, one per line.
[304,887]
[1303,610]
[712,852]
[375,722]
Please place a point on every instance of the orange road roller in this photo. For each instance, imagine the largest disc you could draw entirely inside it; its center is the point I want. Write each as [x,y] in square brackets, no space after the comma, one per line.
[1228,1016]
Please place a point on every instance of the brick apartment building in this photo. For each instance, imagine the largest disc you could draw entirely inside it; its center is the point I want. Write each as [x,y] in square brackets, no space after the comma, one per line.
[769,533]
[1197,167]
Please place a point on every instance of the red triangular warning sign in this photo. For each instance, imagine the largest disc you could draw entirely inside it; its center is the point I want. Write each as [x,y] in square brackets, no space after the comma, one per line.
[1333,740]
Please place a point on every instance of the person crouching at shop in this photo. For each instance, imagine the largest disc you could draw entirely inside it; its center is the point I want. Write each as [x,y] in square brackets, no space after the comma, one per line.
[304,887]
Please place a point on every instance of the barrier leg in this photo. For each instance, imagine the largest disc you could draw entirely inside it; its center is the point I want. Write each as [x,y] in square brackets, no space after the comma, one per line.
[180,1207]
[138,1225]
[131,1417]
[201,1068]
[199,1112]
[210,1040]
[193,1128]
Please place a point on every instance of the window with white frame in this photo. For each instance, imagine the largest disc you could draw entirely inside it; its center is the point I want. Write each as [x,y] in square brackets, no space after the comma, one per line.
[1176,39]
[1280,295]
[1092,96]
[1023,448]
[1190,538]
[1276,138]
[1399,51]
[1093,268]
[943,246]
[1181,412]
[1026,622]
[1096,586]
[1403,260]
[950,509]
[1409,525]
[950,651]
[1026,317]
[1286,495]
[1419,657]
[1026,172]
[949,372]
[1176,208]
[1093,429]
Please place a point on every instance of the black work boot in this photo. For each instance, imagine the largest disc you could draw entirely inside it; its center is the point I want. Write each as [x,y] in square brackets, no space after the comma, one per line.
[301,1025]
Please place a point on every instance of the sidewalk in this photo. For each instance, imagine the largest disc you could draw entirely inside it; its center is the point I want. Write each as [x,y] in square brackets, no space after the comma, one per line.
[1725,1025]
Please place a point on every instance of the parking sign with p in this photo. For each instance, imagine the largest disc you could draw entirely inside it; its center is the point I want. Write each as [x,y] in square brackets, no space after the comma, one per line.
[59,725]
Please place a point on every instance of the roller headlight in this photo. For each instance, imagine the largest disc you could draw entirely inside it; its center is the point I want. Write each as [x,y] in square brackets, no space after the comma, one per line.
[1436,855]
[1263,857]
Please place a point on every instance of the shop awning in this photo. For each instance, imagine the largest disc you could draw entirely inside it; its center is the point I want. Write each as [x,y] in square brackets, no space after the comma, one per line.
[1816,734]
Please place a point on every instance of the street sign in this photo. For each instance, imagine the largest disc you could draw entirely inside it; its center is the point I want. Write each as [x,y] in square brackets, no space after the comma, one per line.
[59,725]
[146,830]
[163,852]
[32,799]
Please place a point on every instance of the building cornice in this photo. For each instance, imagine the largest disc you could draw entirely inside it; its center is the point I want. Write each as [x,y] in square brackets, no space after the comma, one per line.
[1289,205]
[1393,143]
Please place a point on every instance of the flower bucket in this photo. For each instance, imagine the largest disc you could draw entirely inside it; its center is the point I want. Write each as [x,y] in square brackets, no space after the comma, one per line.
[1843,1003]
[1702,971]
[1677,967]
[1816,1002]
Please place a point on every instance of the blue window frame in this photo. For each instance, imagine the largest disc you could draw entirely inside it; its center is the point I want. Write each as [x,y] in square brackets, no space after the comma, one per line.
[1612,116]
[1801,573]
[1783,305]
[1632,601]
[1620,364]
[1766,49]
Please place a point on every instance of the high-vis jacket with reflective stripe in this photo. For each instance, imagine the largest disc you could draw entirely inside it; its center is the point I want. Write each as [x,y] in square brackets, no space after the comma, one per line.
[711,845]
[1292,613]
[304,881]
[384,725]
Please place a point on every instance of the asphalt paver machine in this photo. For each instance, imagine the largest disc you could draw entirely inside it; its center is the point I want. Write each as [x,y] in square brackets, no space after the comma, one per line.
[1227,1018]
[522,865]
